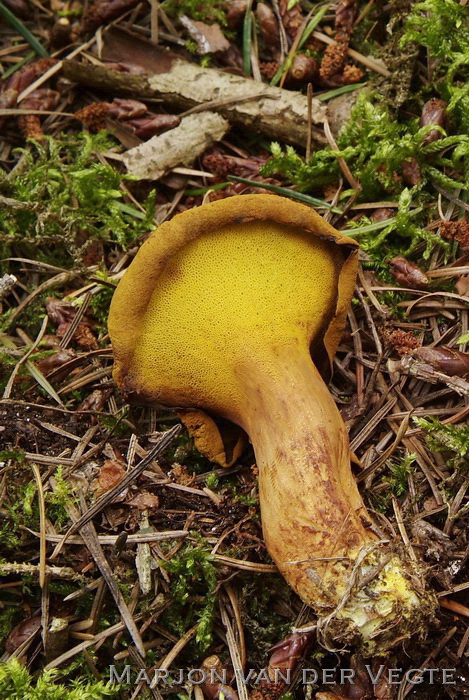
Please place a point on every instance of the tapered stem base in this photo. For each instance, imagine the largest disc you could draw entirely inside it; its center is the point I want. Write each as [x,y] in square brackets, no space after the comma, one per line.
[315,524]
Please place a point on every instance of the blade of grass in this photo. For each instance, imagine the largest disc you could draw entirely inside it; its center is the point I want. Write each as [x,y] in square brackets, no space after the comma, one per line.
[300,196]
[17,24]
[204,190]
[247,38]
[309,28]
[42,381]
[312,24]
[377,226]
[339,91]
[18,65]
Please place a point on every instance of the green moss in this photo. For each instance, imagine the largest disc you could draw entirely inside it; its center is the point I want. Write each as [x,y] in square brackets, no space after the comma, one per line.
[69,198]
[193,582]
[203,10]
[451,439]
[399,473]
[17,684]
[263,624]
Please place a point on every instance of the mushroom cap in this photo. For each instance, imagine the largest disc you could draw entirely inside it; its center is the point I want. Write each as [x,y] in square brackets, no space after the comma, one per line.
[242,276]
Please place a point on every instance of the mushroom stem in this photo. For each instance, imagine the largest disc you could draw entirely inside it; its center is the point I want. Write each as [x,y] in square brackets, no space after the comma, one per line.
[315,524]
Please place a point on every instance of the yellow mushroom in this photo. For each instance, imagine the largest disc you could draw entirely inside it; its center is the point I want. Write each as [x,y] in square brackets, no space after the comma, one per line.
[232,313]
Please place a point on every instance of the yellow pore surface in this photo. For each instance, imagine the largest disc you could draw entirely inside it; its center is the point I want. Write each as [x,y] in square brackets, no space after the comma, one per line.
[232,296]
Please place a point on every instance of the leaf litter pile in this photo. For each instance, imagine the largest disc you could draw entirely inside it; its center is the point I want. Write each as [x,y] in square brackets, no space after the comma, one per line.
[120,544]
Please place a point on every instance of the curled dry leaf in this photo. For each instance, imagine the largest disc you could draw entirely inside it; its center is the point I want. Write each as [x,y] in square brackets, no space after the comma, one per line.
[94,402]
[43,98]
[153,124]
[123,109]
[132,113]
[407,273]
[287,653]
[58,312]
[444,359]
[344,16]
[144,501]
[52,362]
[14,85]
[110,474]
[21,632]
[208,37]
[433,112]
[25,76]
[232,57]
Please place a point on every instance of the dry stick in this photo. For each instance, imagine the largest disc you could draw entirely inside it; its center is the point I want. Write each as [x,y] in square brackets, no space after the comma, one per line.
[76,322]
[367,61]
[137,538]
[342,164]
[406,687]
[70,653]
[387,453]
[402,530]
[65,572]
[53,70]
[239,624]
[246,565]
[463,644]
[309,134]
[57,281]
[234,653]
[159,449]
[42,520]
[277,113]
[9,386]
[89,535]
[295,45]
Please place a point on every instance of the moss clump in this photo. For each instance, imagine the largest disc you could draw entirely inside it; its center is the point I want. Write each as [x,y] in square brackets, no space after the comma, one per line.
[193,589]
[66,198]
[17,684]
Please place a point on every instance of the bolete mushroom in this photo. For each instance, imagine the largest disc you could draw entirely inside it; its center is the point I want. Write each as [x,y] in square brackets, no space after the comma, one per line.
[234,311]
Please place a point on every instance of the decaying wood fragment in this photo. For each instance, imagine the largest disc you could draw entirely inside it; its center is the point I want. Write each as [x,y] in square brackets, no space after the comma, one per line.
[7,282]
[412,366]
[179,146]
[277,113]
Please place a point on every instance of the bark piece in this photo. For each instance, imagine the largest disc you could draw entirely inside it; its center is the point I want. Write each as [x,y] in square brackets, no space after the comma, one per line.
[279,114]
[180,146]
[209,37]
